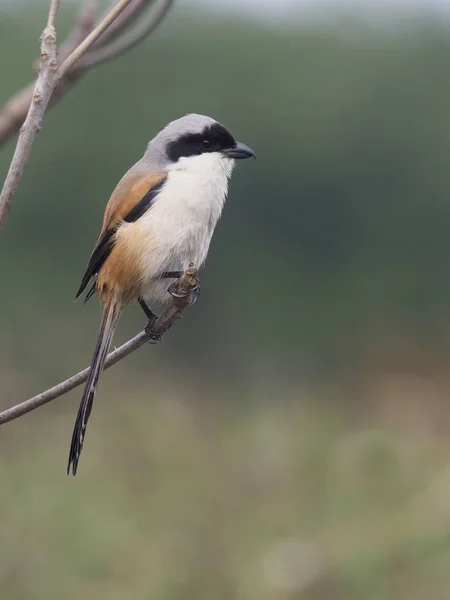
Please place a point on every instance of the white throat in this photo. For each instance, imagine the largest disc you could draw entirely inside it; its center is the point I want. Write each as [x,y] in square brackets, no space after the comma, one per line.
[210,163]
[198,185]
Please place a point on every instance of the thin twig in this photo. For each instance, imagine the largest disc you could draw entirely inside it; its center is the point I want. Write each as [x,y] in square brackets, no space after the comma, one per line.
[168,317]
[45,84]
[126,18]
[52,13]
[129,40]
[84,23]
[65,386]
[94,35]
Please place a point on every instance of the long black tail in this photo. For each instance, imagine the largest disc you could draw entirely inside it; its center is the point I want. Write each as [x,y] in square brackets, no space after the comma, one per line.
[111,314]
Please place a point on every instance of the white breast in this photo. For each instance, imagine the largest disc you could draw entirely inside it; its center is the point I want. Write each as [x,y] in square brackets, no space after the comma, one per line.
[182,220]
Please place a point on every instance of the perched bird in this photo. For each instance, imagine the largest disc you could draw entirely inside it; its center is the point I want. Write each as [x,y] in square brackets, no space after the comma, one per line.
[159,219]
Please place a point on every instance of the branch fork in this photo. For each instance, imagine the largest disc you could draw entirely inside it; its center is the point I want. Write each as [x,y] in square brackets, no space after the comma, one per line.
[87,46]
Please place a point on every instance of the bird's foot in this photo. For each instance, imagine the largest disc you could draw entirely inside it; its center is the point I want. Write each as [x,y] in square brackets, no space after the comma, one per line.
[194,292]
[154,337]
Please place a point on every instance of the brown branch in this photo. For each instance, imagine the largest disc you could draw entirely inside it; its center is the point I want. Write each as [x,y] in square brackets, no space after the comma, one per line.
[43,89]
[168,317]
[131,39]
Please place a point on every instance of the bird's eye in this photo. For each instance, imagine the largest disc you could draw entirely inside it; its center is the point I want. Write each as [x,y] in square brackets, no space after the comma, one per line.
[206,144]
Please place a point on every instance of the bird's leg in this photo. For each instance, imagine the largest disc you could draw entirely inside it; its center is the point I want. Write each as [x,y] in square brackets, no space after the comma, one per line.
[154,338]
[148,311]
[171,275]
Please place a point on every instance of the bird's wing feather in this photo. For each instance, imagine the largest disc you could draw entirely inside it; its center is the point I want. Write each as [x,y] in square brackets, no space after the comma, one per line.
[133,196]
[130,192]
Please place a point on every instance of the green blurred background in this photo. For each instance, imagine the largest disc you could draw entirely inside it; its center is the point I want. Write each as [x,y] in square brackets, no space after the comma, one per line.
[289,438]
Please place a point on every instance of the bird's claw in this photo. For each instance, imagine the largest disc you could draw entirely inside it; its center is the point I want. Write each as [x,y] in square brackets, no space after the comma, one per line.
[173,290]
[154,337]
[194,292]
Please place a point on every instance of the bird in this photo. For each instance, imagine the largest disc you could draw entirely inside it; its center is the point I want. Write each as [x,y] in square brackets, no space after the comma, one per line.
[159,219]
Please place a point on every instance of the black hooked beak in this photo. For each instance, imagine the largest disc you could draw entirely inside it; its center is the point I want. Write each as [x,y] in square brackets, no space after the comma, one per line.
[239,151]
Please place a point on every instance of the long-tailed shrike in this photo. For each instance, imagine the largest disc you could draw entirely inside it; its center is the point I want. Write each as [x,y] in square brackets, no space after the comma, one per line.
[158,220]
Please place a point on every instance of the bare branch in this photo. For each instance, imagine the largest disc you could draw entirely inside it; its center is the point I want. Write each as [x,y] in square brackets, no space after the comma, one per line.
[92,37]
[128,16]
[45,84]
[168,317]
[54,7]
[128,41]
[13,114]
[65,386]
[51,84]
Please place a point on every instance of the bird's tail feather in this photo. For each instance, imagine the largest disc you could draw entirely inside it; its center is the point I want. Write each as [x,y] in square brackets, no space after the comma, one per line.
[111,314]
